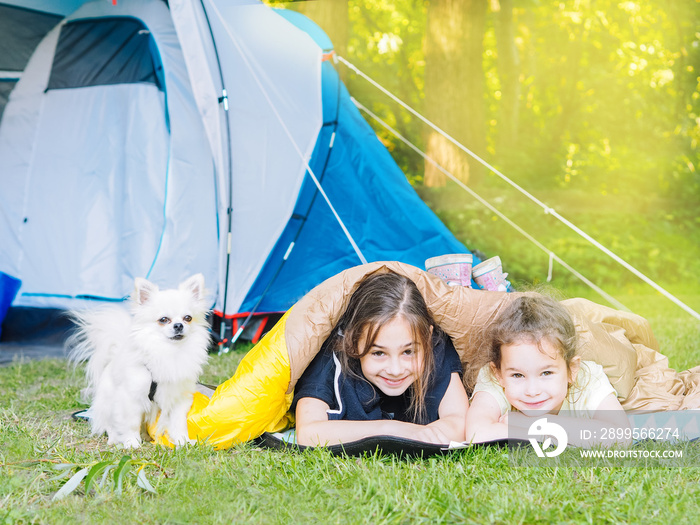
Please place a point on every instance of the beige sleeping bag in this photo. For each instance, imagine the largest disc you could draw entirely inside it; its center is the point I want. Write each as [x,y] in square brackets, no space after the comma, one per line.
[256,399]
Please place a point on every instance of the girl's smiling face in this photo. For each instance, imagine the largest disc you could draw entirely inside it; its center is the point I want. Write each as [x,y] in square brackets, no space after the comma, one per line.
[535,379]
[394,361]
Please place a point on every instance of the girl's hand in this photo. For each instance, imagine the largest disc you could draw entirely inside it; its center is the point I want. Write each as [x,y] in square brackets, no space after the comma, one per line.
[431,434]
[484,419]
[315,429]
[425,433]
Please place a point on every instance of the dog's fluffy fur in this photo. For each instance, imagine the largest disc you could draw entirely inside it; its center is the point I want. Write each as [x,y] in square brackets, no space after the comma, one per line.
[162,338]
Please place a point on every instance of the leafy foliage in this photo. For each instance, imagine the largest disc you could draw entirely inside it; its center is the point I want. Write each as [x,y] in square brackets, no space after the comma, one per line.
[607,90]
[593,106]
[102,470]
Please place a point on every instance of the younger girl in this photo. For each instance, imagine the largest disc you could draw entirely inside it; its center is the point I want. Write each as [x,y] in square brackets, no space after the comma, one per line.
[386,369]
[534,369]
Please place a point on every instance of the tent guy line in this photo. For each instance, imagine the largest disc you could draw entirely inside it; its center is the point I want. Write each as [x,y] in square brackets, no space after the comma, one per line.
[303,158]
[547,209]
[552,256]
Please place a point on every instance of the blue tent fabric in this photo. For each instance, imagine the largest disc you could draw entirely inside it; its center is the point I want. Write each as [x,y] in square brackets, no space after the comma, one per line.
[8,289]
[383,213]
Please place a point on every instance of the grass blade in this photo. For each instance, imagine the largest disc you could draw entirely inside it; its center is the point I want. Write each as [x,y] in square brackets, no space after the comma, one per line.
[71,484]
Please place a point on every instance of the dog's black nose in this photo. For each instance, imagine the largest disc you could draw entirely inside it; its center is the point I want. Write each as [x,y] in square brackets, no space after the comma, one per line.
[177,327]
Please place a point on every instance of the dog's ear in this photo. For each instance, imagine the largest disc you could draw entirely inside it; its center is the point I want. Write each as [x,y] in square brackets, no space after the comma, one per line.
[195,285]
[143,290]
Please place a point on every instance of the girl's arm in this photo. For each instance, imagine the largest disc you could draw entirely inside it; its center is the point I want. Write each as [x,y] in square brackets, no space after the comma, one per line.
[314,428]
[610,411]
[609,415]
[484,420]
[452,411]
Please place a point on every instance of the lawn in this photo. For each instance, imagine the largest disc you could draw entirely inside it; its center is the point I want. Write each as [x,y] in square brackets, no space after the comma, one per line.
[247,484]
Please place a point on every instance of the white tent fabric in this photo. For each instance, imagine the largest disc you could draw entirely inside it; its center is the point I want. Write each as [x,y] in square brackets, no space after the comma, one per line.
[80,156]
[273,81]
[147,173]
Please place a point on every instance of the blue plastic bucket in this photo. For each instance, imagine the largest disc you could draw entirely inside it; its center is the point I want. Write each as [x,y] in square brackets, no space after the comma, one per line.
[8,290]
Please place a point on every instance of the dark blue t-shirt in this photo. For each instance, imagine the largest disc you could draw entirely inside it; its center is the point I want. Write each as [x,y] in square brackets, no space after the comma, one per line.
[356,399]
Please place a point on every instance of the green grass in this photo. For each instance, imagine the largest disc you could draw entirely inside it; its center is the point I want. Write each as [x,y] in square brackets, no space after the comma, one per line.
[645,230]
[247,484]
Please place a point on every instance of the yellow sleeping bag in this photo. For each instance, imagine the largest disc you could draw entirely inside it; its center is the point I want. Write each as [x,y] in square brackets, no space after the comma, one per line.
[258,396]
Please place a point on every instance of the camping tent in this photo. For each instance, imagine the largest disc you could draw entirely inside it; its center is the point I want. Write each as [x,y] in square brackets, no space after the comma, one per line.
[160,139]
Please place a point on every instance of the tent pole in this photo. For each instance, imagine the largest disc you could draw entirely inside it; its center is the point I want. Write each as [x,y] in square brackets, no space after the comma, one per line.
[223,101]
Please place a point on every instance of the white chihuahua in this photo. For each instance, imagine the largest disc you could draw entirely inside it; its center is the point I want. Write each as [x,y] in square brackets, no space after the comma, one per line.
[143,361]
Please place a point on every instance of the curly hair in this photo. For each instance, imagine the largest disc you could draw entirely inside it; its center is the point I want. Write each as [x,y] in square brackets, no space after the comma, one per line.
[530,319]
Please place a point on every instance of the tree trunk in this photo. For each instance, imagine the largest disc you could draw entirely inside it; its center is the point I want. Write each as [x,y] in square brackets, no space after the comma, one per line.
[454,87]
[332,17]
[509,75]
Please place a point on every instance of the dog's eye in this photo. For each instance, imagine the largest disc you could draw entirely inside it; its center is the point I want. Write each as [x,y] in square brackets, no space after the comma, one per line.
[187,318]
[163,320]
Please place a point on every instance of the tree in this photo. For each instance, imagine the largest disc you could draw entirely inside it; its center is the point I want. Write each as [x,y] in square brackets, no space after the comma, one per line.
[332,17]
[508,64]
[454,86]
